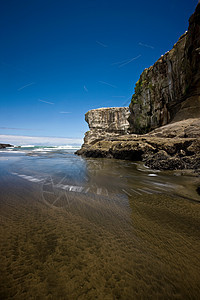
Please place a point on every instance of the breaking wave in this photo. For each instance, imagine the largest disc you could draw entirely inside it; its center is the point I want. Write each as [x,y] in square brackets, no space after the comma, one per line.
[37,150]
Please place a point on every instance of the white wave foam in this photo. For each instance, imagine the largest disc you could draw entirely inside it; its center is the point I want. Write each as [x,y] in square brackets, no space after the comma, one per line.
[45,147]
[67,147]
[26,146]
[42,150]
[11,151]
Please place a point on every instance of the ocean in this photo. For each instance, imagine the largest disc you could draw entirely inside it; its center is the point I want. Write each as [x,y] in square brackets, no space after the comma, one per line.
[85,228]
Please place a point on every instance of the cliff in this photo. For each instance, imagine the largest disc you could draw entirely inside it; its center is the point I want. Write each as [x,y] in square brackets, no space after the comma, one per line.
[164,118]
[106,122]
[170,89]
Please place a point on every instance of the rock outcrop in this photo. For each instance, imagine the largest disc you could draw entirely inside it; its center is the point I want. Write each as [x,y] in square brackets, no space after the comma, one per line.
[106,122]
[170,89]
[174,146]
[2,146]
[164,120]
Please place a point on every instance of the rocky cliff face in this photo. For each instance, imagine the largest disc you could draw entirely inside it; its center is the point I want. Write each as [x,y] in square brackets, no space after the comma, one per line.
[106,122]
[170,89]
[167,92]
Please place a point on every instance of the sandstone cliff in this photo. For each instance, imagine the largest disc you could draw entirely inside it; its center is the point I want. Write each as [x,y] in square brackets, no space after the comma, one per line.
[106,122]
[170,89]
[164,118]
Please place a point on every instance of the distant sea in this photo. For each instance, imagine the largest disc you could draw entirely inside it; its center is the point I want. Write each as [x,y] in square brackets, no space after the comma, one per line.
[40,149]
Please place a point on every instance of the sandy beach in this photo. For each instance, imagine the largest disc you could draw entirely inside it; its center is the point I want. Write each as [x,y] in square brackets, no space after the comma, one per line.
[110,240]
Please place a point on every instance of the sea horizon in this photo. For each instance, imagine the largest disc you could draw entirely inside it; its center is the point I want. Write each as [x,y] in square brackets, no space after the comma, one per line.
[22,140]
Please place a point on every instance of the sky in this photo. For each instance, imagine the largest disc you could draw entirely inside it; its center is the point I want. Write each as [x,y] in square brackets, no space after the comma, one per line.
[61,58]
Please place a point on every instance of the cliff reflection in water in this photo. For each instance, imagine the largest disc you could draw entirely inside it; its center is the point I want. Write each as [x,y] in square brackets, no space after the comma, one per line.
[96,228]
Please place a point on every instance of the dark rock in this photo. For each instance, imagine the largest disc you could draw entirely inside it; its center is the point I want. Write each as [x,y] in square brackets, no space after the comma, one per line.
[2,146]
[198,190]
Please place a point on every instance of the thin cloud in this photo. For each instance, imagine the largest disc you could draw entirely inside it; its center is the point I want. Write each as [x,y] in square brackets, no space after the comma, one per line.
[119,62]
[46,102]
[23,87]
[65,112]
[101,44]
[129,61]
[145,45]
[126,61]
[85,88]
[106,83]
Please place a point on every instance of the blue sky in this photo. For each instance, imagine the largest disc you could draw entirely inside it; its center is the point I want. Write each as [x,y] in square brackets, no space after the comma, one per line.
[59,59]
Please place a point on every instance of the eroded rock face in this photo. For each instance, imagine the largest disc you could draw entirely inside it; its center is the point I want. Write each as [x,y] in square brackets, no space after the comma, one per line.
[105,123]
[170,89]
[172,147]
[155,152]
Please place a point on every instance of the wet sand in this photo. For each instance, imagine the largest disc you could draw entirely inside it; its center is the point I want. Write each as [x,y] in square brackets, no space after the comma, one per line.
[98,243]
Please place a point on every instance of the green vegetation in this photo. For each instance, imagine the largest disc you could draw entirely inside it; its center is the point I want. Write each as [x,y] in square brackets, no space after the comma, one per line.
[138,87]
[138,90]
[134,99]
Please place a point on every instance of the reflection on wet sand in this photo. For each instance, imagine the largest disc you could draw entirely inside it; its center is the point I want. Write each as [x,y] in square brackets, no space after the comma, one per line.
[105,230]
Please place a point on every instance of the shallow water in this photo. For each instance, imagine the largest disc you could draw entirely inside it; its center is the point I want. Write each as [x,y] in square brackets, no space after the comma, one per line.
[74,228]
